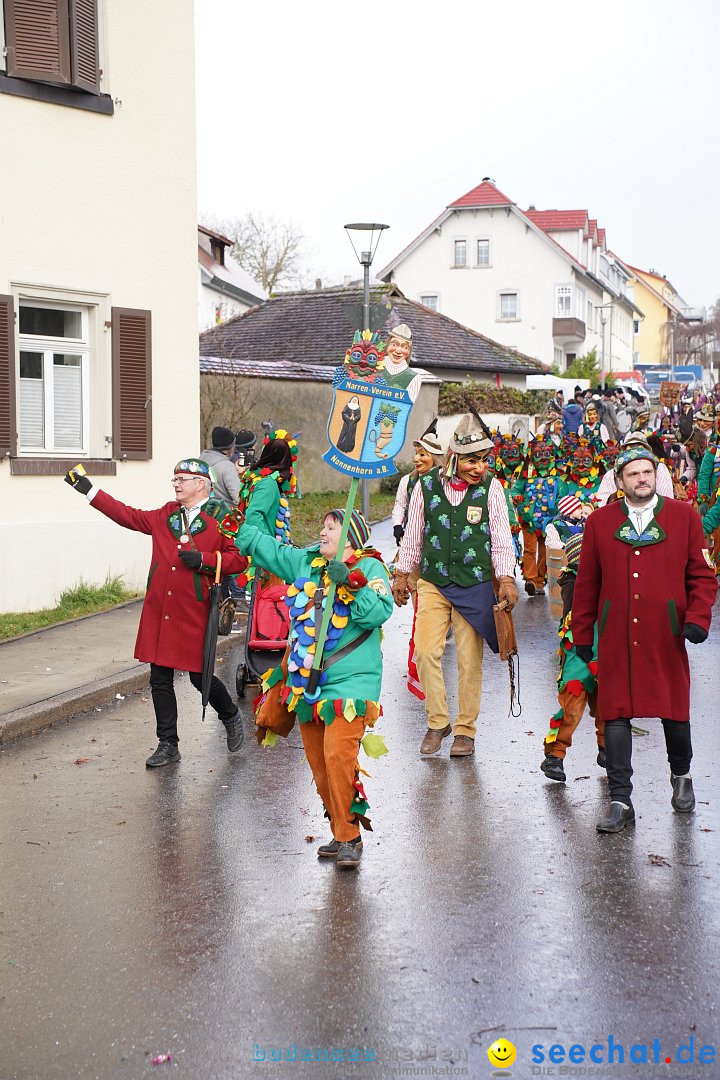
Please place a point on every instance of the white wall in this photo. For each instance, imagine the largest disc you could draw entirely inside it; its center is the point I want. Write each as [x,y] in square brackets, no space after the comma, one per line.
[106,205]
[520,260]
[208,299]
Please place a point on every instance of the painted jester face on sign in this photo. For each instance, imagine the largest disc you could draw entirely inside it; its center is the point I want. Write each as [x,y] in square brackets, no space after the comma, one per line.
[363,359]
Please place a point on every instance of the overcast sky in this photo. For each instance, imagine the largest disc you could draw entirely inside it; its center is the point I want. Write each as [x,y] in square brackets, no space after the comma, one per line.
[321,113]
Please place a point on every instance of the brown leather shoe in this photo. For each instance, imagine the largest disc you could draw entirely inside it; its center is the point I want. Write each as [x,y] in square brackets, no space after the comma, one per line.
[433,739]
[463,746]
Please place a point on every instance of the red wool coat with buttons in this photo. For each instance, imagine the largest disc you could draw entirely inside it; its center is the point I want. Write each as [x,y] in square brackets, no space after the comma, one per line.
[641,594]
[175,611]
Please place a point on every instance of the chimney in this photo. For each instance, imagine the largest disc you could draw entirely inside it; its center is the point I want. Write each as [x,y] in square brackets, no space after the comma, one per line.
[318,283]
[347,280]
[531,206]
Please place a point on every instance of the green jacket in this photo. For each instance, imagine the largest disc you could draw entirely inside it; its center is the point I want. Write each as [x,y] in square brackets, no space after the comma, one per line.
[263,505]
[359,675]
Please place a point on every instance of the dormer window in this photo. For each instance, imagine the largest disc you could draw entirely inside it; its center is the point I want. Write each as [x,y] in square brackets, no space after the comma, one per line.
[217,250]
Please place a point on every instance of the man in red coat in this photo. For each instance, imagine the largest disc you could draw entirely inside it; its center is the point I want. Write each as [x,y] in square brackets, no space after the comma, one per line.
[646,578]
[171,634]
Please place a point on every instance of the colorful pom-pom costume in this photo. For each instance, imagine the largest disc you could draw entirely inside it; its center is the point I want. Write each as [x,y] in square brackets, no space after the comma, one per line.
[333,719]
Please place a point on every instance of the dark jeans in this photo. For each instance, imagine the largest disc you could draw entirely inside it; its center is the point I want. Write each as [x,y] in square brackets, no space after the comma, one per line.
[618,750]
[165,703]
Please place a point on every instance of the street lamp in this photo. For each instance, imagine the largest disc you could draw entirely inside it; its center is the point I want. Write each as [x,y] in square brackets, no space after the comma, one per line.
[603,319]
[365,259]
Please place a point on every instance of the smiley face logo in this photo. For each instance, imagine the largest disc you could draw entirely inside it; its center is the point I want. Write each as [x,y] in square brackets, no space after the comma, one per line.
[502,1053]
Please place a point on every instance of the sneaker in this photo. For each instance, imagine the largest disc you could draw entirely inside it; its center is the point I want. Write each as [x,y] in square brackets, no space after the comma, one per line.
[540,591]
[683,799]
[166,753]
[553,768]
[329,851]
[348,855]
[235,733]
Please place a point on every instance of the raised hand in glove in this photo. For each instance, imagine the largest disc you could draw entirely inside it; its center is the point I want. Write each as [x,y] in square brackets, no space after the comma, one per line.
[192,559]
[400,588]
[78,481]
[398,533]
[507,592]
[585,652]
[337,571]
[694,633]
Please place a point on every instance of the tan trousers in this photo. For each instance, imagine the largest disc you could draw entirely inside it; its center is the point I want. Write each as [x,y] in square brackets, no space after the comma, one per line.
[534,563]
[435,614]
[332,752]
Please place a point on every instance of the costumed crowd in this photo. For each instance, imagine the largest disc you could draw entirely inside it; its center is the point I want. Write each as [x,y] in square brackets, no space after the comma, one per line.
[619,517]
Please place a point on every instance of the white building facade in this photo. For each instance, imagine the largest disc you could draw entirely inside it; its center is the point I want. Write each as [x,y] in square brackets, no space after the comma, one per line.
[538,282]
[224,288]
[98,282]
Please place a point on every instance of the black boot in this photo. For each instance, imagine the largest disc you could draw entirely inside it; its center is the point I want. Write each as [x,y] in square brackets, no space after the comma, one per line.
[683,799]
[235,733]
[553,768]
[166,753]
[618,817]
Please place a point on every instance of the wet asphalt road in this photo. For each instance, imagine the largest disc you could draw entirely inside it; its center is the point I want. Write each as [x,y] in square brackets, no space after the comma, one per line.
[184,911]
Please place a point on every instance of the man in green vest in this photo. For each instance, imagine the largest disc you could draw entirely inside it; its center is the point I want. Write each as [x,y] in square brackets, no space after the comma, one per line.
[458,532]
[397,371]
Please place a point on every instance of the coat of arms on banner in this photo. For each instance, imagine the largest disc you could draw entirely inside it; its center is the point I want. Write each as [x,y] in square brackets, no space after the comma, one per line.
[368,419]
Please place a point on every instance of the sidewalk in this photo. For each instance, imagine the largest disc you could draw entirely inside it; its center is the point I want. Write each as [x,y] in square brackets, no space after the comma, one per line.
[52,674]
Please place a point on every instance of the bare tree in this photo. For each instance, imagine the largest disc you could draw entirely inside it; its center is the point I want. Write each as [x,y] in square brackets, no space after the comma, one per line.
[270,251]
[226,397]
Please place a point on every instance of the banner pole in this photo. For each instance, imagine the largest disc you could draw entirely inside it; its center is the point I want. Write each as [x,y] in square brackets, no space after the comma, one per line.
[315,672]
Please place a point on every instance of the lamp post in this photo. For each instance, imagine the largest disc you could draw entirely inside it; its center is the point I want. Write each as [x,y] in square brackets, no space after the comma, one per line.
[603,319]
[365,259]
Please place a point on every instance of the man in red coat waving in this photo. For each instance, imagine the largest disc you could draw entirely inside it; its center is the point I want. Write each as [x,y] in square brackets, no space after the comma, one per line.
[171,635]
[645,577]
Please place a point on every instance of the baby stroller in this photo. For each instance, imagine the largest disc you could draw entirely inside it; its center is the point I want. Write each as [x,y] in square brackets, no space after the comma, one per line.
[268,630]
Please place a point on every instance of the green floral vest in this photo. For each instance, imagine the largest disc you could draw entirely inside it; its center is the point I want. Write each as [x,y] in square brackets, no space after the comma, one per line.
[456,543]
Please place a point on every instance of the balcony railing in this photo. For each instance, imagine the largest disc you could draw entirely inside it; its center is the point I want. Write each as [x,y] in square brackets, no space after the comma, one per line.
[566,330]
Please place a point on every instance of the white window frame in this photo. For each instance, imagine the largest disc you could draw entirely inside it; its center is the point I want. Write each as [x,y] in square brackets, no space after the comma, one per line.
[502,293]
[483,240]
[460,265]
[564,310]
[48,346]
[97,389]
[430,296]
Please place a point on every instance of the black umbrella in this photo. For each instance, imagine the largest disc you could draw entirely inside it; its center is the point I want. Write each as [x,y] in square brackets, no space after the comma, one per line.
[211,635]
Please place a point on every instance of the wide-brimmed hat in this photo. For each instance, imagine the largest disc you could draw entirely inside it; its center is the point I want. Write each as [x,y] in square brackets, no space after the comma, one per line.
[430,441]
[471,436]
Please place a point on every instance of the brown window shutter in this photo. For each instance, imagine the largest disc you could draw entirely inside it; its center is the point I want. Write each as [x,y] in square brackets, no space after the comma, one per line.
[8,419]
[84,45]
[37,34]
[132,384]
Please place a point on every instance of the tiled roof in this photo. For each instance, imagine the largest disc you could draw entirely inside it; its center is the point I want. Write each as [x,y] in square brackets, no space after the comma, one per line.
[485,194]
[316,327]
[558,219]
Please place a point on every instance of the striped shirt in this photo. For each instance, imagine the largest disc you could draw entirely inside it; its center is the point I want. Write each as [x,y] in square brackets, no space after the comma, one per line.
[502,550]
